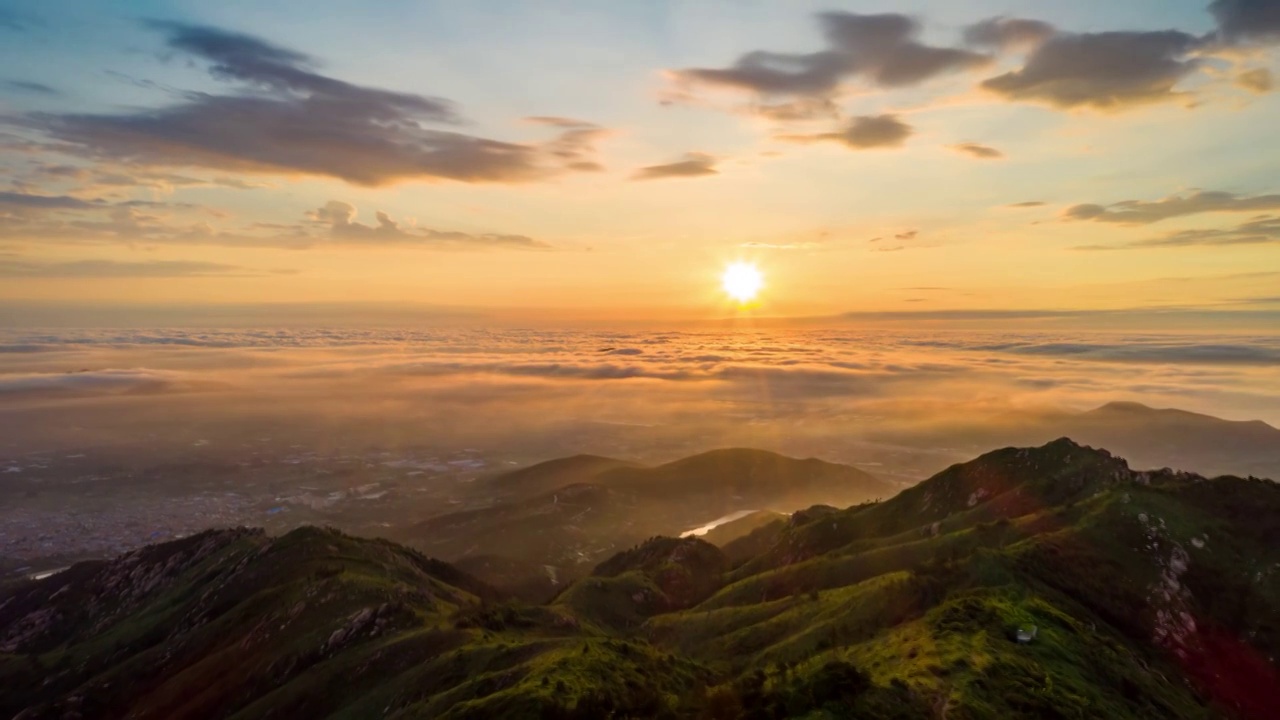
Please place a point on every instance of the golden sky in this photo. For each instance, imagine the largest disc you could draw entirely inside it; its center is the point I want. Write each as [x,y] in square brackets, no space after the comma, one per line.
[610,160]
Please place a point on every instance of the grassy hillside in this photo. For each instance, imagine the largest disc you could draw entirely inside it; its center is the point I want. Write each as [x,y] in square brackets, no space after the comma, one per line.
[1151,595]
[722,535]
[572,513]
[1154,594]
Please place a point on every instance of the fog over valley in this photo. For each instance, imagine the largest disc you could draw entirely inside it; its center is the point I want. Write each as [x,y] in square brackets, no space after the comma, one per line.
[379,430]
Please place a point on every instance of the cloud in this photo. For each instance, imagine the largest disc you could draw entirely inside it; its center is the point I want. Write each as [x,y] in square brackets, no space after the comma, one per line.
[341,220]
[807,386]
[695,164]
[15,200]
[982,152]
[109,179]
[1139,212]
[756,245]
[1108,71]
[69,220]
[575,146]
[86,269]
[1027,204]
[1257,80]
[287,118]
[100,382]
[1144,352]
[27,86]
[1248,20]
[863,133]
[881,49]
[800,109]
[1255,232]
[1006,33]
[236,56]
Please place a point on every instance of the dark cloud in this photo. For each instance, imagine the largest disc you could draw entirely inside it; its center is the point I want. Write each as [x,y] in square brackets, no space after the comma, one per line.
[982,152]
[287,118]
[111,269]
[1255,232]
[1106,71]
[1258,80]
[880,49]
[863,133]
[1145,352]
[1249,20]
[340,217]
[239,57]
[908,235]
[1140,212]
[1027,204]
[1006,33]
[27,86]
[694,165]
[13,200]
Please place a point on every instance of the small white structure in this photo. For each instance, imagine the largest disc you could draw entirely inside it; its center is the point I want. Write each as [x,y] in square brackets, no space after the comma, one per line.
[1026,635]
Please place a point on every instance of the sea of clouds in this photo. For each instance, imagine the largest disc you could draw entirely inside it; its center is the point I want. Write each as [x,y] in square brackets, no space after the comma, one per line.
[729,387]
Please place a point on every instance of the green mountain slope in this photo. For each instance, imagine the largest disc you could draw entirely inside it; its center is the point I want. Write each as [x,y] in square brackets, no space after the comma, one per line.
[572,513]
[1142,587]
[547,476]
[1141,595]
[724,534]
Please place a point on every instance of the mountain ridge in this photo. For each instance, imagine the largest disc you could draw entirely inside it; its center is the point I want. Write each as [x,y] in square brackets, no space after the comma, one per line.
[586,508]
[1153,593]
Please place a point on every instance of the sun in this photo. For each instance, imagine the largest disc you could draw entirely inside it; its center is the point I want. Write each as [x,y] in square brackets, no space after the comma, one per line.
[742,281]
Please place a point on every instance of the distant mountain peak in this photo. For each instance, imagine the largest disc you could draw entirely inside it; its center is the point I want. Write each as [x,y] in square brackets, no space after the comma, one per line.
[1124,406]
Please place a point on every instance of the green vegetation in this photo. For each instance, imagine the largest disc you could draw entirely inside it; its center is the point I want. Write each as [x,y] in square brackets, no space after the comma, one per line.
[1152,595]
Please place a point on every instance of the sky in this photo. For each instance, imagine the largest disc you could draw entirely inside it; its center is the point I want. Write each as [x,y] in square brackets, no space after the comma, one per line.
[987,160]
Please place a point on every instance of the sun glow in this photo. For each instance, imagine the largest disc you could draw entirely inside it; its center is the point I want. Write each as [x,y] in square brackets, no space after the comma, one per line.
[742,281]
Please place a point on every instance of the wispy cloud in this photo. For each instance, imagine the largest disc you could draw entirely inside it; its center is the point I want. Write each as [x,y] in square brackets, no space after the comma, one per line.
[340,217]
[977,150]
[1142,212]
[694,164]
[863,133]
[87,269]
[71,220]
[27,86]
[1257,80]
[1255,232]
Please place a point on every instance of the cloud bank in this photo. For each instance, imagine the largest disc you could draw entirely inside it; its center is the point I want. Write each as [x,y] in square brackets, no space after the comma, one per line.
[1141,212]
[882,50]
[288,118]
